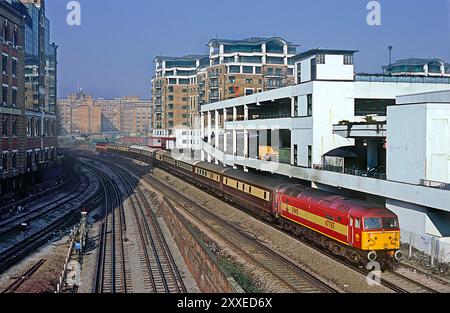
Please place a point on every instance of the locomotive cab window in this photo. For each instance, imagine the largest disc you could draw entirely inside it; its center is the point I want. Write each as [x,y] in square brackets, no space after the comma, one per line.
[357,223]
[390,223]
[372,223]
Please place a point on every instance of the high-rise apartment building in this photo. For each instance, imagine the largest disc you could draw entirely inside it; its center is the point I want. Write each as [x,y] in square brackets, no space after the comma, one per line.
[174,91]
[244,67]
[234,68]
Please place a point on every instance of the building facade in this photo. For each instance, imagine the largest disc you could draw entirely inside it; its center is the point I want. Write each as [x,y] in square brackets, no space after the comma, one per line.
[40,89]
[12,106]
[418,67]
[333,129]
[174,92]
[244,67]
[84,115]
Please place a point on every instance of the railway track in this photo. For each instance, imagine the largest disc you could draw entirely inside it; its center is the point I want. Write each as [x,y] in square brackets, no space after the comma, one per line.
[163,274]
[287,273]
[19,281]
[392,280]
[111,272]
[14,254]
[40,211]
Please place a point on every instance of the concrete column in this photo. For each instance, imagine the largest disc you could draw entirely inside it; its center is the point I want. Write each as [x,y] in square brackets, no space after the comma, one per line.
[202,124]
[225,116]
[234,114]
[372,154]
[293,107]
[246,150]
[216,122]
[209,127]
[234,142]
[245,112]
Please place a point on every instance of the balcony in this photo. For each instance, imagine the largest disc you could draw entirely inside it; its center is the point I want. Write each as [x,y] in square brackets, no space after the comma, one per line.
[349,171]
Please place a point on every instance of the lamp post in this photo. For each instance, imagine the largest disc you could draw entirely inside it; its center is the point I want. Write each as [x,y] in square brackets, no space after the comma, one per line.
[390,55]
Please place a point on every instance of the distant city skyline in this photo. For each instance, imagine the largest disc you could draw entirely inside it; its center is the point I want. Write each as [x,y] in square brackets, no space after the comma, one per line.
[111,54]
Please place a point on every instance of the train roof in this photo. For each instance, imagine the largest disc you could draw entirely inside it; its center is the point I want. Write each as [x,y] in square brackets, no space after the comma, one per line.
[142,148]
[255,179]
[347,206]
[211,167]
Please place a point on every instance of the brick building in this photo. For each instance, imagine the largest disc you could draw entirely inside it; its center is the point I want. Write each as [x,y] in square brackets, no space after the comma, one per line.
[234,68]
[85,115]
[12,108]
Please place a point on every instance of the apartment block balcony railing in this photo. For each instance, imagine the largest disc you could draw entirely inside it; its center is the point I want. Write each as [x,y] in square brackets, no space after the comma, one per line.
[214,84]
[350,171]
[402,79]
[213,75]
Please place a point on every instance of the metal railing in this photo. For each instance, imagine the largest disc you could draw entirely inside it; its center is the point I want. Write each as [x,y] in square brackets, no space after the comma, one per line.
[434,184]
[402,79]
[349,171]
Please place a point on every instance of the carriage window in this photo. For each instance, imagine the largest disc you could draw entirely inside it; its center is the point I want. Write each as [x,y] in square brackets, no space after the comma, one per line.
[328,217]
[250,189]
[357,223]
[265,195]
[243,187]
[237,185]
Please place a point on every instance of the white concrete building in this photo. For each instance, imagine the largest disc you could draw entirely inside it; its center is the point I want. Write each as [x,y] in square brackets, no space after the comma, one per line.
[289,131]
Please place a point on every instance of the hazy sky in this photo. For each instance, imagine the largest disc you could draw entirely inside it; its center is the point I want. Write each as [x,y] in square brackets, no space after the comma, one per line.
[112,52]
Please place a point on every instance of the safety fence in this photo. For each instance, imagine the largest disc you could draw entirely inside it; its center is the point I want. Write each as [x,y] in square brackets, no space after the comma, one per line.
[73,235]
[426,250]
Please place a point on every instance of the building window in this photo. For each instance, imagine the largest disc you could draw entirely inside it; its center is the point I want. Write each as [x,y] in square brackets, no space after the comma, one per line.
[249,81]
[5,32]
[309,105]
[348,59]
[5,95]
[231,89]
[295,155]
[14,97]
[29,127]
[320,58]
[14,127]
[257,70]
[270,71]
[171,89]
[310,156]
[14,162]
[248,69]
[249,91]
[5,127]
[290,71]
[4,162]
[14,67]
[234,69]
[5,64]
[278,72]
[231,79]
[15,36]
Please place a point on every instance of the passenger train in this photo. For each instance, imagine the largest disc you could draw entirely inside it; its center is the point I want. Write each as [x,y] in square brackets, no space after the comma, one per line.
[358,230]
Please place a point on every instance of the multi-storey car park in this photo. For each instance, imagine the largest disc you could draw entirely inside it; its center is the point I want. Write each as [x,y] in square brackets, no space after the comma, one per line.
[381,138]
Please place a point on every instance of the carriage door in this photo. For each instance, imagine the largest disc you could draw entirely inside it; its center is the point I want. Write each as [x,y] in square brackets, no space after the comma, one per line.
[351,231]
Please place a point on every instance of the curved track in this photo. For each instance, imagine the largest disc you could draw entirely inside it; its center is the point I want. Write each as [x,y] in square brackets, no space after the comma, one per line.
[287,273]
[161,273]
